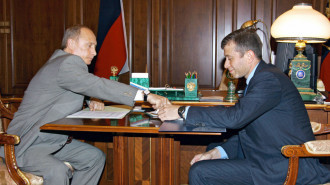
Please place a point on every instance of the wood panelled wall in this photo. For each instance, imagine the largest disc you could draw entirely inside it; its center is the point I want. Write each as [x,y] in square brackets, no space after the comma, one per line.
[164,37]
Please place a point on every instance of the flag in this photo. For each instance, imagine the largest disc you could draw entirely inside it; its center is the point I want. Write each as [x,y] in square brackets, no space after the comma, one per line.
[111,58]
[325,66]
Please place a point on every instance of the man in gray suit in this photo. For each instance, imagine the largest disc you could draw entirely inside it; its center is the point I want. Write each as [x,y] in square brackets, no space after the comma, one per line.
[56,91]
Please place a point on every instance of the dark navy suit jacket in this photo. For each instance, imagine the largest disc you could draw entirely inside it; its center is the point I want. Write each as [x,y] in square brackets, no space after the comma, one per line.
[270,115]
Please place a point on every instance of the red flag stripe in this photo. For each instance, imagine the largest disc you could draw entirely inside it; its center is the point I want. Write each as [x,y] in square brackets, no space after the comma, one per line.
[112,51]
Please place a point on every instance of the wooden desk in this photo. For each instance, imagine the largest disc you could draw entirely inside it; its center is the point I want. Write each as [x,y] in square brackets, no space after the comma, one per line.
[144,161]
[130,145]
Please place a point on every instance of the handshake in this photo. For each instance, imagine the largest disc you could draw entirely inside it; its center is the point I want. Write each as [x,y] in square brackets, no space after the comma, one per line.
[166,111]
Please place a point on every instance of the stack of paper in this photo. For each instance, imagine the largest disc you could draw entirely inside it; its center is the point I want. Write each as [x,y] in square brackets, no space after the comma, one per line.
[110,112]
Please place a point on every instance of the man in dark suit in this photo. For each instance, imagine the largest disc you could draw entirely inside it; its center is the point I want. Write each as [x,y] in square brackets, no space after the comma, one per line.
[269,116]
[56,91]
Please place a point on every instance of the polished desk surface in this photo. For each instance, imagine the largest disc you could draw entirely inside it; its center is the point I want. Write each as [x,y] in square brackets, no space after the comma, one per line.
[14,99]
[131,123]
[124,126]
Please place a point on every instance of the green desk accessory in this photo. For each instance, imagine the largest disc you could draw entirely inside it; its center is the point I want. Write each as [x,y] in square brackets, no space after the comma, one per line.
[190,87]
[190,84]
[173,94]
[189,93]
[114,71]
[231,96]
[140,80]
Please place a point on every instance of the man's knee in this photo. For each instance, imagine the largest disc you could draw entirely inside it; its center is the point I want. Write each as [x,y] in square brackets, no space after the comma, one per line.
[97,156]
[196,173]
[57,173]
[194,169]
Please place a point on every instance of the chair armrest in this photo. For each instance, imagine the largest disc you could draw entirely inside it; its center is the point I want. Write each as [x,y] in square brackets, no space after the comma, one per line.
[317,148]
[8,139]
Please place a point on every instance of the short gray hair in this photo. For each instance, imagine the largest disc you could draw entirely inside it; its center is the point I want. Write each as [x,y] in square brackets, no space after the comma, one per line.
[72,32]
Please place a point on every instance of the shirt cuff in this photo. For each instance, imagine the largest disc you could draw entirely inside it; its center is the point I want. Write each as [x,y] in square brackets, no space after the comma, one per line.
[186,112]
[139,95]
[222,152]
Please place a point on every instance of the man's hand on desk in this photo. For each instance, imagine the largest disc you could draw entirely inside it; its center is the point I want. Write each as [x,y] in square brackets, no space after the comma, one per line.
[157,101]
[211,154]
[96,105]
[169,112]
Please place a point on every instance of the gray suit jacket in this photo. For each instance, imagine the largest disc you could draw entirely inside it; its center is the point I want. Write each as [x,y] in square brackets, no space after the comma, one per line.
[57,90]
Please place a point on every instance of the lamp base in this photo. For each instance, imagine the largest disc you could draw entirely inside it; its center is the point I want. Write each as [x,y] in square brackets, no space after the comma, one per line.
[307,94]
[300,73]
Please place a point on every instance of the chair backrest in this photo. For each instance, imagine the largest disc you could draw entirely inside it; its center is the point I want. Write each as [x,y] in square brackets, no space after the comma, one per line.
[6,115]
[319,128]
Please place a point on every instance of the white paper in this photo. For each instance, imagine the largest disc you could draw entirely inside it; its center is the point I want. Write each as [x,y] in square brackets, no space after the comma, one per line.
[140,75]
[110,112]
[165,88]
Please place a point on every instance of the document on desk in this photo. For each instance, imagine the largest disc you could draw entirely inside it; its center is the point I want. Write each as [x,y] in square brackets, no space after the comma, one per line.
[110,112]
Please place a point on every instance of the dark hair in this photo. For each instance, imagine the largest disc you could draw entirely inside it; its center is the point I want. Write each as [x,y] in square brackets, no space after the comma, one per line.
[72,32]
[245,39]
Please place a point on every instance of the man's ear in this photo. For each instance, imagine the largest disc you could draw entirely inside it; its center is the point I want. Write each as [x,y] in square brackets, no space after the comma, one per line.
[250,55]
[71,44]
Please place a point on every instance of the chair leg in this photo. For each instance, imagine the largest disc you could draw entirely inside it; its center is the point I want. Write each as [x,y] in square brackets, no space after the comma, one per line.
[292,174]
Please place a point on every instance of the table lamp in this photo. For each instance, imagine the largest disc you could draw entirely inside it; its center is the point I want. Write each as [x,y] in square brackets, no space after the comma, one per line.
[302,24]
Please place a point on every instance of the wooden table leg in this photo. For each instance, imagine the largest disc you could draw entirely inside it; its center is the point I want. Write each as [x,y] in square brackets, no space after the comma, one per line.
[165,161]
[166,168]
[120,160]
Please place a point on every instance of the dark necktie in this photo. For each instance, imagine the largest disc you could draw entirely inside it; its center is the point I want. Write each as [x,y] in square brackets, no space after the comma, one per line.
[245,89]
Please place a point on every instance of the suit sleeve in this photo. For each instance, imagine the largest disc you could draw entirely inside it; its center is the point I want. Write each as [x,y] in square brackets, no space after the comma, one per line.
[264,93]
[73,75]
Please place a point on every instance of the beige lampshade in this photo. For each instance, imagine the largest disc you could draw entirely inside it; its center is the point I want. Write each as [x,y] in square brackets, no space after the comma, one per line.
[302,22]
